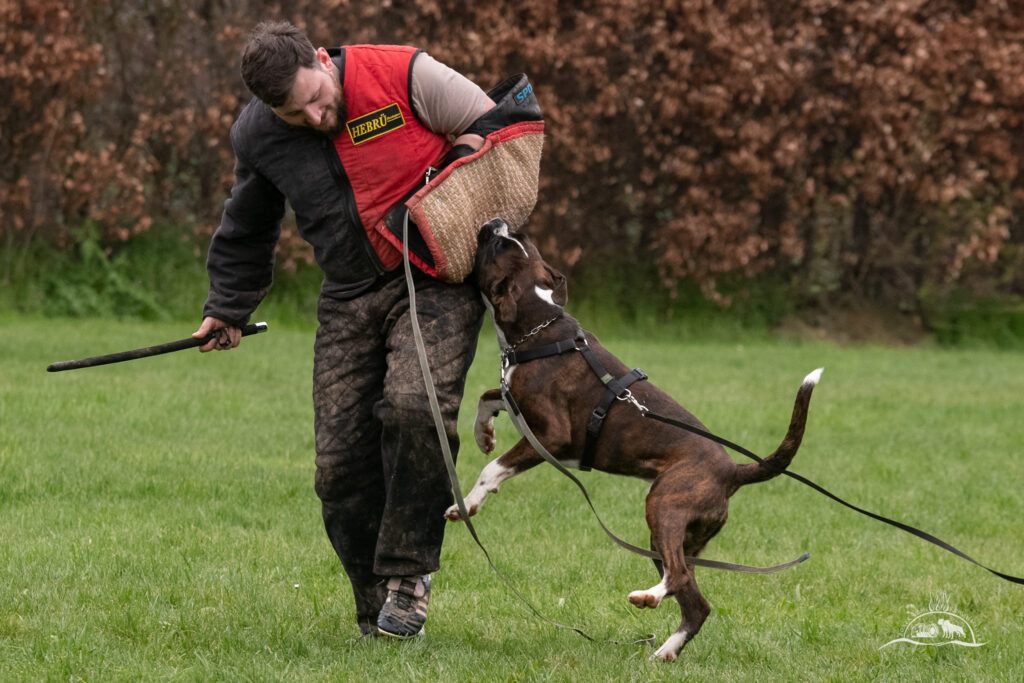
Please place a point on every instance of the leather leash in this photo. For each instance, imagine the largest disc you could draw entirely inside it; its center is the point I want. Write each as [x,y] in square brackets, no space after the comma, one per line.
[449,461]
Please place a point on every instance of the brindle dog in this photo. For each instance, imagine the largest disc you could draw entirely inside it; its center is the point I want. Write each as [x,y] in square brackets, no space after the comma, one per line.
[692,478]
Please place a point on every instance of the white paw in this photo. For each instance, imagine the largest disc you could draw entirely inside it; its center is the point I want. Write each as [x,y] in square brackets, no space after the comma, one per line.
[651,597]
[453,514]
[643,599]
[664,656]
[670,649]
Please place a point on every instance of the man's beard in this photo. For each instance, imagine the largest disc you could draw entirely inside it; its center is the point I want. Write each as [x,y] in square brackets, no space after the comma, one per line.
[341,110]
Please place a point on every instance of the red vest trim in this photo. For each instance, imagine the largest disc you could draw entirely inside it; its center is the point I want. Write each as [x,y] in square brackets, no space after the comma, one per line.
[384,149]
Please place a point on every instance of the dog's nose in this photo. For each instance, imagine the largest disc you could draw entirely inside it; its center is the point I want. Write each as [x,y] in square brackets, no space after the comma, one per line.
[496,227]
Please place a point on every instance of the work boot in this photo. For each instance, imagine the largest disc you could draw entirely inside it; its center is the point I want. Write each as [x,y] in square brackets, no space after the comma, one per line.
[405,610]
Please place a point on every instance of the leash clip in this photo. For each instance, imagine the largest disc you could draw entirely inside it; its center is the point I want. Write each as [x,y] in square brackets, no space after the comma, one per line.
[506,364]
[628,397]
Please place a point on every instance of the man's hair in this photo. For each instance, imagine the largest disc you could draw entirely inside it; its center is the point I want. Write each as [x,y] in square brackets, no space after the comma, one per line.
[275,52]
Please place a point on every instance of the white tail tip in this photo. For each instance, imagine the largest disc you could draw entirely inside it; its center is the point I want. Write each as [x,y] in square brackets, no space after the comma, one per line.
[814,377]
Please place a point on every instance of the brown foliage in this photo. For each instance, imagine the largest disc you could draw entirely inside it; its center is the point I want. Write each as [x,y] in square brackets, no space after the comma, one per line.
[871,145]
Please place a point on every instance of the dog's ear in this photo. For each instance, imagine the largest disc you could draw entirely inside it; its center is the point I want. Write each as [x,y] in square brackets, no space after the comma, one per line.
[504,297]
[560,293]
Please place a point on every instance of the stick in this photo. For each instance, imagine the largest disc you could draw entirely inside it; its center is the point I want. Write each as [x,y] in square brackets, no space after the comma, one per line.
[169,347]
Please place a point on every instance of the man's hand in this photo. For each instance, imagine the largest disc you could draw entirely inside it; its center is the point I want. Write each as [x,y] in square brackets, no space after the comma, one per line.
[225,336]
[471,139]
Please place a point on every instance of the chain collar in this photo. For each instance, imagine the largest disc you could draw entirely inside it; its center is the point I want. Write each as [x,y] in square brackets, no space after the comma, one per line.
[533,332]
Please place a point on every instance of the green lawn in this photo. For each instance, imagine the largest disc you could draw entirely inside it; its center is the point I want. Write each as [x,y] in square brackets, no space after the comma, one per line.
[158,521]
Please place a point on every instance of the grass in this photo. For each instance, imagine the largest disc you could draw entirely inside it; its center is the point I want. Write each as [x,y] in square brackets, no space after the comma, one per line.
[158,522]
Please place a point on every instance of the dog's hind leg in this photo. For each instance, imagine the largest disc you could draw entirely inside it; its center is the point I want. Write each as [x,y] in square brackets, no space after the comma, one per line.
[519,458]
[682,521]
[487,409]
[680,582]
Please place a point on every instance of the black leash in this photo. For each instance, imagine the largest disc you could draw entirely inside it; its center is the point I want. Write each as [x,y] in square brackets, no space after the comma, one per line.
[804,480]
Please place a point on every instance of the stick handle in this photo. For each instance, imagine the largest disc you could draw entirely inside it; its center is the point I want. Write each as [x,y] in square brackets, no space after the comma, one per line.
[169,347]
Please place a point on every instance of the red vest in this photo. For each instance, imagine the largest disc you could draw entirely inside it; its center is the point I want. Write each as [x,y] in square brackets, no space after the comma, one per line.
[384,149]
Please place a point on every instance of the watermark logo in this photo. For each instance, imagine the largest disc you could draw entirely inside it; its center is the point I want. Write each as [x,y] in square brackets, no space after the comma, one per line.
[938,626]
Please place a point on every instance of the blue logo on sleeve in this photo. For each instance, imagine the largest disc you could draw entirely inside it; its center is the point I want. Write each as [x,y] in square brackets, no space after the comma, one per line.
[524,93]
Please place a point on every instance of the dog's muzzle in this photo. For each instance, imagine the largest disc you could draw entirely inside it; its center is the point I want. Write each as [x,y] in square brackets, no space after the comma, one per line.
[496,227]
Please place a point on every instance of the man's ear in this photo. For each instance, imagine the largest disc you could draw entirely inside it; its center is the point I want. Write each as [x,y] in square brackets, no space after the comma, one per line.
[560,295]
[504,297]
[324,58]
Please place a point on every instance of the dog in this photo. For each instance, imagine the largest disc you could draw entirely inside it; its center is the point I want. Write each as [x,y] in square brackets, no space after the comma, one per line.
[691,477]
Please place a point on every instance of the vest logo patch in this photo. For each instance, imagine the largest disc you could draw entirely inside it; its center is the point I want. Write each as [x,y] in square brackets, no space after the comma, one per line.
[376,123]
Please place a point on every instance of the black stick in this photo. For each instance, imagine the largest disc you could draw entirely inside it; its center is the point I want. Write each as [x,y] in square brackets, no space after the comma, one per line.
[169,347]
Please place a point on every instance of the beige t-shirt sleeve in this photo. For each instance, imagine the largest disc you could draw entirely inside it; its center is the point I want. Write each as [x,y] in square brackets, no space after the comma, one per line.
[445,100]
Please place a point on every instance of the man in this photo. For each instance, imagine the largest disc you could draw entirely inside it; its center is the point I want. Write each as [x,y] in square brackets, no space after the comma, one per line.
[343,135]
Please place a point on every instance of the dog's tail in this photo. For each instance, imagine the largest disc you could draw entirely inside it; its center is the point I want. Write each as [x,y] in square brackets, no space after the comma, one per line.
[774,464]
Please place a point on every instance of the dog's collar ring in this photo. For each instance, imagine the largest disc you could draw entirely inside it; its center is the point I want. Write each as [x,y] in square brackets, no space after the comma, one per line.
[581,340]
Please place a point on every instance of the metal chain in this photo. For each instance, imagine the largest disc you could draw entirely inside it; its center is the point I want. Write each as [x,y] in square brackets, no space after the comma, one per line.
[535,331]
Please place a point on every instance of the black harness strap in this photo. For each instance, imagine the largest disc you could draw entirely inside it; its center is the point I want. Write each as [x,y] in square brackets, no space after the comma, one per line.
[510,358]
[615,388]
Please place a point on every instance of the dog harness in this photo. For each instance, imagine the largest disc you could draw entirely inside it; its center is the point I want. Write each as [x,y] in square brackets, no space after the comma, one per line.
[615,388]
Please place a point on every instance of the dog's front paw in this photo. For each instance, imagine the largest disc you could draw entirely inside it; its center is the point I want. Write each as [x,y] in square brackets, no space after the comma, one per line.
[453,514]
[483,432]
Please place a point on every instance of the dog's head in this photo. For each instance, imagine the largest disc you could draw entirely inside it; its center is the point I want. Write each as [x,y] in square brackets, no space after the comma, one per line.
[514,278]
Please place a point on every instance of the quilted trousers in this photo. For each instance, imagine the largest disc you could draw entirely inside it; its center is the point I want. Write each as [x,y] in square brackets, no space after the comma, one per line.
[380,472]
